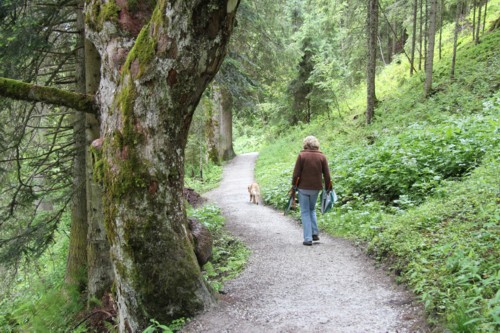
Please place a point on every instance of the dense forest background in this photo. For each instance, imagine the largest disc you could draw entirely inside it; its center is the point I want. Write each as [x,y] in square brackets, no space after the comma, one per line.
[403,96]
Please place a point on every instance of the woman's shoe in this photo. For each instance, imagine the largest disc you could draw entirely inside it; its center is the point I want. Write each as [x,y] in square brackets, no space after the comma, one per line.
[308,243]
[315,238]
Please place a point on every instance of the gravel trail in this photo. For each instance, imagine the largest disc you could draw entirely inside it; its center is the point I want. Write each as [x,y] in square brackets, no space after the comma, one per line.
[288,287]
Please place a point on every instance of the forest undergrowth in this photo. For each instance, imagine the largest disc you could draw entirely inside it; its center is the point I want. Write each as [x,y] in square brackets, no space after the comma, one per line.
[419,189]
[39,301]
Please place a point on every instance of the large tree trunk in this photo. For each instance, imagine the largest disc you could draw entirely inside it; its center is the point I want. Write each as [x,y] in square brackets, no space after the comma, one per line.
[223,105]
[430,50]
[372,29]
[150,86]
[77,252]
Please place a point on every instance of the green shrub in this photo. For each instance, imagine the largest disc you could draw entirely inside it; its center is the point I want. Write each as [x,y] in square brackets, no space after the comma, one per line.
[420,187]
[229,255]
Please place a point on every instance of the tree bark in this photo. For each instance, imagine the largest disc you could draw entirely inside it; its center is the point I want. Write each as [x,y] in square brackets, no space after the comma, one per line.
[478,24]
[441,12]
[76,267]
[430,49]
[421,35]
[372,29]
[100,271]
[155,65]
[414,37]
[212,115]
[426,32]
[389,44]
[32,93]
[474,20]
[485,11]
[455,39]
[395,39]
[224,103]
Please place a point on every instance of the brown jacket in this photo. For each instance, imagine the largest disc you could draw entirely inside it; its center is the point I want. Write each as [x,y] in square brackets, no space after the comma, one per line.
[310,165]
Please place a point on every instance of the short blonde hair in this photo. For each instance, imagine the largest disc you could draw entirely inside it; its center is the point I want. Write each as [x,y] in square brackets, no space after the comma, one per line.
[311,142]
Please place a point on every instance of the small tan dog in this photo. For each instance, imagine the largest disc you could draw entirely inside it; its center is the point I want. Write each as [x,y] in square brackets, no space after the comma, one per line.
[254,191]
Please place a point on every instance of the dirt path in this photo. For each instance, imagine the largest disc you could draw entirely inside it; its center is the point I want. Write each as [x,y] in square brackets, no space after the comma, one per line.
[287,287]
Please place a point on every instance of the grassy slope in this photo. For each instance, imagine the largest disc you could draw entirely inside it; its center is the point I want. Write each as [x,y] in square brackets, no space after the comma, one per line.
[420,186]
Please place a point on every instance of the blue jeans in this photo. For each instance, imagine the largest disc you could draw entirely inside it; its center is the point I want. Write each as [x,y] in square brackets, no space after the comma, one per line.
[307,201]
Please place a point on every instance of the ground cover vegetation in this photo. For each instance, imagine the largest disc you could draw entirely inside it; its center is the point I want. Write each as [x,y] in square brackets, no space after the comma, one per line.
[419,187]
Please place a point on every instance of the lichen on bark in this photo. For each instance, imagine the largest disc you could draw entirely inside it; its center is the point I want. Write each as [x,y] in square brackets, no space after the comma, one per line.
[149,92]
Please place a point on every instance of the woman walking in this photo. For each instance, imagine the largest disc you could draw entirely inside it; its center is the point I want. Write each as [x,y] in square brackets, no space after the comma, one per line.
[310,168]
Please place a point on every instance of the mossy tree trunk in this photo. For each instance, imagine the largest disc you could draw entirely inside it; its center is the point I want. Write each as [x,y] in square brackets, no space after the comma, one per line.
[100,271]
[223,103]
[156,62]
[211,130]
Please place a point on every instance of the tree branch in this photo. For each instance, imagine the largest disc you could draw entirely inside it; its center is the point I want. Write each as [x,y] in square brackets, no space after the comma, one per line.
[30,92]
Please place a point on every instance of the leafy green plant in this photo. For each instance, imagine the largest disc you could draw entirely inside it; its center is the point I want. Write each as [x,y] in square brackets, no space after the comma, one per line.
[175,326]
[229,255]
[212,175]
[157,327]
[419,187]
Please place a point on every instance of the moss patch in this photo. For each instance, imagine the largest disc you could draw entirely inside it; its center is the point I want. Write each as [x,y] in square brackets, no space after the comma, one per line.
[144,50]
[100,13]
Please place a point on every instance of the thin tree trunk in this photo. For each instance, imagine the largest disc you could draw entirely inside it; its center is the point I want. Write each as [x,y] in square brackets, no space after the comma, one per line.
[395,39]
[455,39]
[201,162]
[379,42]
[441,12]
[372,32]
[389,44]
[211,110]
[76,265]
[426,33]
[478,24]
[224,101]
[395,35]
[421,35]
[414,37]
[474,20]
[430,54]
[485,11]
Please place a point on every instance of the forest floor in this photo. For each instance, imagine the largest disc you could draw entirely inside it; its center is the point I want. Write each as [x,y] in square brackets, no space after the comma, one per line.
[331,286]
